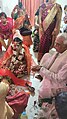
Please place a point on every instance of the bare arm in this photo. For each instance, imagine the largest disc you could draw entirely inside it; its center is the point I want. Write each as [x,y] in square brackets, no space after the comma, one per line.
[15,10]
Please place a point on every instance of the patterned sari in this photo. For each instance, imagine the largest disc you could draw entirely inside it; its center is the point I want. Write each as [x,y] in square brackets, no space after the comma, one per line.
[5,71]
[49,20]
[25,32]
[17,98]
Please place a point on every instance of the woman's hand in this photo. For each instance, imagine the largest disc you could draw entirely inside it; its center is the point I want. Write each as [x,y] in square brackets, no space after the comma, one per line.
[54,33]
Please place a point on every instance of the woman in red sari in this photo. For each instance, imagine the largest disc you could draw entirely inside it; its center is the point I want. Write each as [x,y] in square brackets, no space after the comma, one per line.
[5,30]
[49,20]
[16,62]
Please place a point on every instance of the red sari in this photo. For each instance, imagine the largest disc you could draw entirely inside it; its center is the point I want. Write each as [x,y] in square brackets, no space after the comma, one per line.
[17,99]
[7,72]
[6,30]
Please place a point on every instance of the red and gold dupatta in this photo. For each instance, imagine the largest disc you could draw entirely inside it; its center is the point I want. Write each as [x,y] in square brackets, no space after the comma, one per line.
[7,72]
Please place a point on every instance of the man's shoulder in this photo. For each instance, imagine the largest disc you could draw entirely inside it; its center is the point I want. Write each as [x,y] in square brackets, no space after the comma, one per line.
[52,51]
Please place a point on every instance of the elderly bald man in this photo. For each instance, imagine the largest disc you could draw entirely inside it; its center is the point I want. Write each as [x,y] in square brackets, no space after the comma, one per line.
[53,70]
[53,67]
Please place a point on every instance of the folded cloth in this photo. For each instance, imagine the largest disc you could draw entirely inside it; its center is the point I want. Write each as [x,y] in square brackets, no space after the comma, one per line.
[18,102]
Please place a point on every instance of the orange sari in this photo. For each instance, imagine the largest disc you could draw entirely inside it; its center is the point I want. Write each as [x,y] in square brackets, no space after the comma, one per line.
[18,23]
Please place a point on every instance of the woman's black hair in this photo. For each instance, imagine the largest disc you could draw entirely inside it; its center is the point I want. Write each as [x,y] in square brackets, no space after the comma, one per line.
[16,39]
[37,12]
[65,7]
[47,0]
[20,4]
[3,14]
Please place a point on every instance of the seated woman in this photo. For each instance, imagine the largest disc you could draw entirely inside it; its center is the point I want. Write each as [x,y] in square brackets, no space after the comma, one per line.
[16,62]
[5,30]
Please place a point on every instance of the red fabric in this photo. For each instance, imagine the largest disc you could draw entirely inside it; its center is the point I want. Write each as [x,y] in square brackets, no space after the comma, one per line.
[18,102]
[10,20]
[0,47]
[16,81]
[7,54]
[27,40]
[6,72]
[6,30]
[18,22]
[29,59]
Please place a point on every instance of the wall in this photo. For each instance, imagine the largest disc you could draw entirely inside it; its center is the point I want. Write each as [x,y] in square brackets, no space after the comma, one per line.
[8,6]
[62,3]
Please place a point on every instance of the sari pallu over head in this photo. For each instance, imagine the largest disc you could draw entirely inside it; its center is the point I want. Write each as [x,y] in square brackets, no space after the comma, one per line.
[7,72]
[25,32]
[19,22]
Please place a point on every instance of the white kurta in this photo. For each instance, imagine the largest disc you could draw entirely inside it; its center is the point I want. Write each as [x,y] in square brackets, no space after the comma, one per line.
[54,73]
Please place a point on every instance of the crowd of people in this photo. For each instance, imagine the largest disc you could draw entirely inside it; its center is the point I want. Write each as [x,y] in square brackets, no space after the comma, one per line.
[16,62]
